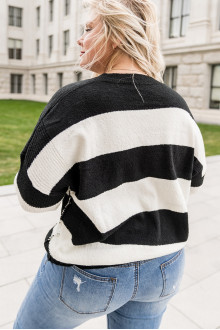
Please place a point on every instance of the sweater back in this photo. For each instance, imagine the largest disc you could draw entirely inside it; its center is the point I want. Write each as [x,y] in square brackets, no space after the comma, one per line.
[122,152]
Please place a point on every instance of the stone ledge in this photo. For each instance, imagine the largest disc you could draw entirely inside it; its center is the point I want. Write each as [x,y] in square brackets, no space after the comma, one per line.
[207,116]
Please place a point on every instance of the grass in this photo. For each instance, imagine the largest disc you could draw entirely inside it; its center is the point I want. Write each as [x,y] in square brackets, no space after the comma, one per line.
[211,137]
[18,119]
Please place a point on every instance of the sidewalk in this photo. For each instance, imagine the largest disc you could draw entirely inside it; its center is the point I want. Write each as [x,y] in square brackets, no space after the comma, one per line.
[196,306]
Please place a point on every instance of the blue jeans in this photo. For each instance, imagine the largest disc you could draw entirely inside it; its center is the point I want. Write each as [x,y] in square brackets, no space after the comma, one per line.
[133,295]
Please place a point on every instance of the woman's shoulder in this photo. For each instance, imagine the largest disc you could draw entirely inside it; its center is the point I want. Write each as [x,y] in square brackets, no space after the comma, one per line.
[173,99]
[73,93]
[72,88]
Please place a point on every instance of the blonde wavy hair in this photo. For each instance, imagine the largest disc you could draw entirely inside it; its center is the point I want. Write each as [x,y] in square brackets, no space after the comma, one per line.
[135,24]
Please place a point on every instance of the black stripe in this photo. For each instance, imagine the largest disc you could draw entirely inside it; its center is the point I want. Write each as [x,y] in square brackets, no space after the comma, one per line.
[108,171]
[82,103]
[197,178]
[145,228]
[32,196]
[35,144]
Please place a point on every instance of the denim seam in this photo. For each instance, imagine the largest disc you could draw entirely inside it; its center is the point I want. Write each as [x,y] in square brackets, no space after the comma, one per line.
[145,261]
[162,267]
[164,281]
[130,265]
[95,277]
[171,260]
[138,318]
[136,275]
[61,287]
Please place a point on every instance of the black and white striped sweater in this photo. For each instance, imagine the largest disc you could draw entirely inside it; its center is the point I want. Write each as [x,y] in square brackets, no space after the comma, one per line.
[122,152]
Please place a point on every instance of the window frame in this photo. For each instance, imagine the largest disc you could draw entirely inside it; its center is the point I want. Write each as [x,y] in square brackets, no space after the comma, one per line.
[60,79]
[66,7]
[51,10]
[212,86]
[37,47]
[78,75]
[180,35]
[50,45]
[33,77]
[66,42]
[15,15]
[173,68]
[16,52]
[45,77]
[16,83]
[38,16]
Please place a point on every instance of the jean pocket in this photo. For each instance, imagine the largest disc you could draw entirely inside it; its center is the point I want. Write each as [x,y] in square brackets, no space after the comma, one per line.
[172,273]
[86,293]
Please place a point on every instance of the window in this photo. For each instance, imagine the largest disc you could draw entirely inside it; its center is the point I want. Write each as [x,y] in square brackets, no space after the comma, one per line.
[60,79]
[16,83]
[82,29]
[215,87]
[38,15]
[15,49]
[179,18]
[45,83]
[37,47]
[15,16]
[50,45]
[170,76]
[65,41]
[51,2]
[219,22]
[33,77]
[78,75]
[67,7]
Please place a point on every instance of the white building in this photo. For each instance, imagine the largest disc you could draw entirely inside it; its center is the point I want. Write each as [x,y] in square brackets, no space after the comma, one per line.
[190,36]
[39,52]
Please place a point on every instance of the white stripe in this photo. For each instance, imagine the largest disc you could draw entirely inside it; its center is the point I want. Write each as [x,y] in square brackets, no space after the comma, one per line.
[62,249]
[28,207]
[113,207]
[111,132]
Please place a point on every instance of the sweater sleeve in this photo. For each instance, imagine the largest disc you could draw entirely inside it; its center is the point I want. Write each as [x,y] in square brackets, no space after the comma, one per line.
[32,180]
[44,177]
[199,163]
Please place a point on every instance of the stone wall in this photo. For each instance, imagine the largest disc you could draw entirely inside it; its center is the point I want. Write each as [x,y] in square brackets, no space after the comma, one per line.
[27,88]
[194,76]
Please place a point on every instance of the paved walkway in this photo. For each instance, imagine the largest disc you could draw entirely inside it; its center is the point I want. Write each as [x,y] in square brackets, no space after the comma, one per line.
[196,306]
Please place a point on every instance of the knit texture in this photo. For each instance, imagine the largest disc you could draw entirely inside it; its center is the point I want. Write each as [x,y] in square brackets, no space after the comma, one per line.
[122,152]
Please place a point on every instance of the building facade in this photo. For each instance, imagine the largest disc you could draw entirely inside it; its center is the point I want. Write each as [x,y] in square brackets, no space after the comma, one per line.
[39,51]
[190,41]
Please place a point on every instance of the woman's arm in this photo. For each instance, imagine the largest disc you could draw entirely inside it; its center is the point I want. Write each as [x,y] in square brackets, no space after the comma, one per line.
[199,164]
[32,182]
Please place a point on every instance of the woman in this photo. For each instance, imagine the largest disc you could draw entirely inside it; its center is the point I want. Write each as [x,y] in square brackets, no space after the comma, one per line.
[122,152]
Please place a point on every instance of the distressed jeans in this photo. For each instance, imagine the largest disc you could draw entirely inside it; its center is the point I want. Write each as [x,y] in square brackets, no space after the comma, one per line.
[132,296]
